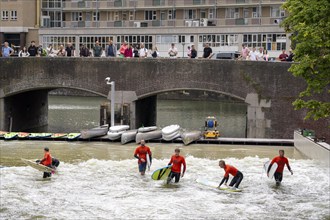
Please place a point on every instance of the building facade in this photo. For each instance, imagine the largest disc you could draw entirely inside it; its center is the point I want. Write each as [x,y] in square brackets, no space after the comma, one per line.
[224,24]
[19,23]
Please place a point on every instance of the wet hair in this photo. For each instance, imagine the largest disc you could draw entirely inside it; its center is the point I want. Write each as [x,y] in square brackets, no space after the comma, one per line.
[46,149]
[223,162]
[177,150]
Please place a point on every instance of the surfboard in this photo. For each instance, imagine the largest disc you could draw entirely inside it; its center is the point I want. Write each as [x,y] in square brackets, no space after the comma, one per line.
[162,173]
[272,170]
[215,185]
[36,166]
[148,162]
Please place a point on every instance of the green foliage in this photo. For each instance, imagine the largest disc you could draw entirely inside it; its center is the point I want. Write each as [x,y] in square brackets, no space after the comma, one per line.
[309,23]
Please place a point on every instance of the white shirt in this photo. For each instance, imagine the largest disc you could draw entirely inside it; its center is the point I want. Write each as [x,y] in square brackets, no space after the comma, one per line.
[143,52]
[253,55]
[173,52]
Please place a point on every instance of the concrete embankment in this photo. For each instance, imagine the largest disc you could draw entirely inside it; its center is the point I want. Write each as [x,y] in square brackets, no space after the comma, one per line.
[314,150]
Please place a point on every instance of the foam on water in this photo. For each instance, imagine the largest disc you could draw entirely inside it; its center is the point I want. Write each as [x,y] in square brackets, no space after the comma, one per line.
[114,189]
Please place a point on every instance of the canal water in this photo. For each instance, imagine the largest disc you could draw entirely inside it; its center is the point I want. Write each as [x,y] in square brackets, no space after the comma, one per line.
[74,113]
[100,180]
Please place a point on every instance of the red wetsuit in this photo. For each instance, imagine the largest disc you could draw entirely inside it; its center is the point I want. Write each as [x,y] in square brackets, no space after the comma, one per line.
[141,152]
[281,161]
[230,170]
[47,160]
[176,162]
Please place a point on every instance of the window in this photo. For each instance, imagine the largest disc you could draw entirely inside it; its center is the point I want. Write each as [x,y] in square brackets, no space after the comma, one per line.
[116,16]
[232,12]
[211,13]
[171,14]
[150,15]
[4,15]
[131,15]
[275,12]
[267,41]
[76,16]
[190,14]
[255,12]
[13,15]
[219,40]
[96,16]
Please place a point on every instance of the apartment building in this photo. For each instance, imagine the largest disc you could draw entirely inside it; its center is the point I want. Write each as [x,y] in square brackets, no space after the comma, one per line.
[224,24]
[19,22]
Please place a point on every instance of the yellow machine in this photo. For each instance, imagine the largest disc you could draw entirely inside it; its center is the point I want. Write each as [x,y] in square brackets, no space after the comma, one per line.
[211,128]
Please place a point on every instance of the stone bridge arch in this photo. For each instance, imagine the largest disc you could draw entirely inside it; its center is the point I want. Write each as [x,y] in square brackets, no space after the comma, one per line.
[267,87]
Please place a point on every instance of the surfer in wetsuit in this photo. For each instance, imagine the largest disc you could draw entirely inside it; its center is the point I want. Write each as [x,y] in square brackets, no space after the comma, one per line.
[46,161]
[141,154]
[176,161]
[281,161]
[238,175]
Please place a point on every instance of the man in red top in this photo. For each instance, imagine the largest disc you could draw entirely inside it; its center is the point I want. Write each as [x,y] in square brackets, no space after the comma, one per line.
[281,161]
[176,162]
[238,176]
[141,154]
[46,161]
[283,56]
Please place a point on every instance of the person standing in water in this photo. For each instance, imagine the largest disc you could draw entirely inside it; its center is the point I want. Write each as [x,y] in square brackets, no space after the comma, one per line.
[141,154]
[238,175]
[176,161]
[281,162]
[46,161]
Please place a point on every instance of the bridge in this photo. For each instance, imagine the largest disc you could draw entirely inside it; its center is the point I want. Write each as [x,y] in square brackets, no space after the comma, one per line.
[267,88]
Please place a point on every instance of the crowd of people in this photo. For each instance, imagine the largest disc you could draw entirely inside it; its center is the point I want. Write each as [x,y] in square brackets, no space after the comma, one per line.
[127,50]
[262,54]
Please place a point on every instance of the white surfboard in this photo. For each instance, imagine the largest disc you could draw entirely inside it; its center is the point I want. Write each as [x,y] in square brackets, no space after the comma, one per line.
[170,129]
[272,170]
[118,128]
[215,185]
[37,166]
[148,162]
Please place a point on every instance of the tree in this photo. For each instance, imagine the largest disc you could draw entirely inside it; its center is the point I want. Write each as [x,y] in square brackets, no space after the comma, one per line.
[309,23]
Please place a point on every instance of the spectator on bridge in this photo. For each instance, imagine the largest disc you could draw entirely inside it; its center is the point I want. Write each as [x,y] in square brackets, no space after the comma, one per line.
[23,52]
[244,52]
[266,56]
[173,51]
[129,51]
[290,57]
[84,51]
[253,54]
[136,50]
[41,51]
[33,50]
[283,56]
[188,51]
[122,49]
[50,50]
[260,54]
[97,49]
[193,53]
[110,50]
[143,52]
[207,52]
[7,51]
[61,51]
[155,52]
[69,50]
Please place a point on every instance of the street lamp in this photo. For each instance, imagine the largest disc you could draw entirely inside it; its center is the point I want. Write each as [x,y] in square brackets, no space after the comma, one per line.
[112,100]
